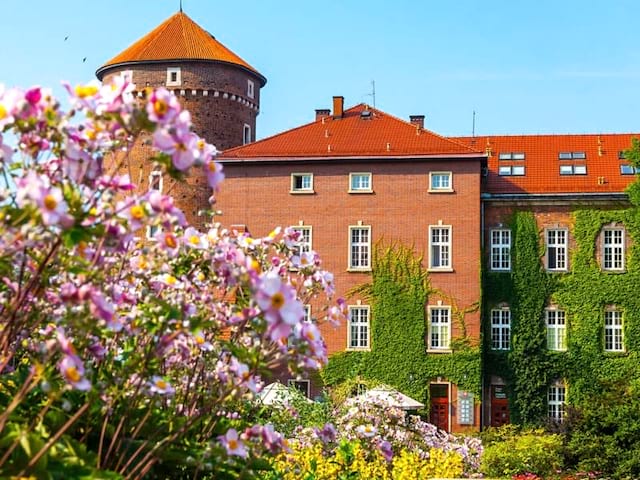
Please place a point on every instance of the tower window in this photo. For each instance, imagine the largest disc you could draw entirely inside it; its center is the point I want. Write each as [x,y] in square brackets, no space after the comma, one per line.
[250,88]
[246,134]
[174,77]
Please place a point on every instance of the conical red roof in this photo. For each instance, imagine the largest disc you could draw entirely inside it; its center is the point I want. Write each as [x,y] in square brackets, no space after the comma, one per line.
[178,38]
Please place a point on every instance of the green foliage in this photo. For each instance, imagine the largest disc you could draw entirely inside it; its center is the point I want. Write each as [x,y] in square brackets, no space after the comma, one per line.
[531,451]
[584,293]
[604,434]
[398,294]
[299,412]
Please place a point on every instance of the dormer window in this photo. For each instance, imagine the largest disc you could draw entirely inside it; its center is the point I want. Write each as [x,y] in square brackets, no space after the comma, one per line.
[174,77]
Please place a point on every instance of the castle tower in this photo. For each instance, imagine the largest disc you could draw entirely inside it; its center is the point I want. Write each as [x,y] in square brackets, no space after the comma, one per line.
[220,90]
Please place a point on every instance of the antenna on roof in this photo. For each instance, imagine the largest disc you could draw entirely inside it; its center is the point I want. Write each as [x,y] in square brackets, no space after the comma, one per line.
[373,92]
[180,6]
[473,126]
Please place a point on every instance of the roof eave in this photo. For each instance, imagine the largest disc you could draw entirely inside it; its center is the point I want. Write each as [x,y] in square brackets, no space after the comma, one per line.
[103,69]
[562,197]
[357,158]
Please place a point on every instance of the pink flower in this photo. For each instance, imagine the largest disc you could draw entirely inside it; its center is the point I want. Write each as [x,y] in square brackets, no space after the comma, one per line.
[214,174]
[279,303]
[168,242]
[160,386]
[367,431]
[181,145]
[202,342]
[243,375]
[9,101]
[53,207]
[232,444]
[163,106]
[194,239]
[72,371]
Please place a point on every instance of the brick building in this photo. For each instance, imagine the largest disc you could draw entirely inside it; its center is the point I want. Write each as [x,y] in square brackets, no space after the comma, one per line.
[353,177]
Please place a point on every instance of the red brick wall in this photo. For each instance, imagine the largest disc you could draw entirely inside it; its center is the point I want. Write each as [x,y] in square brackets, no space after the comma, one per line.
[400,209]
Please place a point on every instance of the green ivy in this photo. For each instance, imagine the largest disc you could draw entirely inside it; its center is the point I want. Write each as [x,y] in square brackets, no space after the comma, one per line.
[584,293]
[398,294]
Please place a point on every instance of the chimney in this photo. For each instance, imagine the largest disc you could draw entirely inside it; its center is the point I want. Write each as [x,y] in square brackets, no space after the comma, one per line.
[417,120]
[322,113]
[338,107]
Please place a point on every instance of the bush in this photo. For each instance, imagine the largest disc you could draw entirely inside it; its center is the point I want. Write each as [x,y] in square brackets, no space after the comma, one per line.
[604,434]
[529,452]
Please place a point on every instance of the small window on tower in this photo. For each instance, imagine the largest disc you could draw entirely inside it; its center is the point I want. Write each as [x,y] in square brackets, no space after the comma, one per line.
[174,77]
[246,134]
[250,87]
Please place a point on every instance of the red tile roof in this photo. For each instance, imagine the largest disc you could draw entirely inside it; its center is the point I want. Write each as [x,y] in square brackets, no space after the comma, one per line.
[177,38]
[352,135]
[542,165]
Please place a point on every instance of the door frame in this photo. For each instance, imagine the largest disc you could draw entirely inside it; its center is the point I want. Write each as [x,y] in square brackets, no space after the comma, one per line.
[448,384]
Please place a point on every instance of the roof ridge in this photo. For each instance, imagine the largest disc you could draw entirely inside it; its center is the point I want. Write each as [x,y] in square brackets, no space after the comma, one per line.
[394,117]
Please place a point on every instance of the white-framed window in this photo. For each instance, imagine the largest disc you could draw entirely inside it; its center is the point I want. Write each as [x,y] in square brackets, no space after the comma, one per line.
[360,182]
[174,77]
[511,156]
[613,249]
[573,169]
[359,248]
[613,331]
[358,331]
[440,182]
[304,243]
[556,240]
[500,249]
[304,386]
[500,329]
[439,328]
[246,134]
[556,401]
[556,321]
[155,183]
[307,314]
[250,88]
[440,247]
[301,183]
[511,170]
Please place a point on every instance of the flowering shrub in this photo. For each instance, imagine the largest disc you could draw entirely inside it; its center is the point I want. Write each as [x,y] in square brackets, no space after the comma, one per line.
[118,353]
[531,452]
[375,436]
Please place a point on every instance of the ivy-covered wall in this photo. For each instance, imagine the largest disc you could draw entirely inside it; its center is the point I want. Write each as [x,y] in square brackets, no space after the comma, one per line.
[585,292]
[398,295]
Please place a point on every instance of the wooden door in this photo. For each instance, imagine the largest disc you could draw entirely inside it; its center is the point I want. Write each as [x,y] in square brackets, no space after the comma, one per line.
[499,406]
[439,415]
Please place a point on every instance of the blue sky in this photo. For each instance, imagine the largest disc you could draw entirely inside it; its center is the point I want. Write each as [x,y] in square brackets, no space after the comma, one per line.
[524,67]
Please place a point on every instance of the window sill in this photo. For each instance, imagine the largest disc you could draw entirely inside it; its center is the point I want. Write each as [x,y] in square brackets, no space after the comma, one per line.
[439,350]
[360,191]
[500,270]
[440,269]
[302,192]
[359,270]
[441,190]
[557,270]
[613,272]
[358,349]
